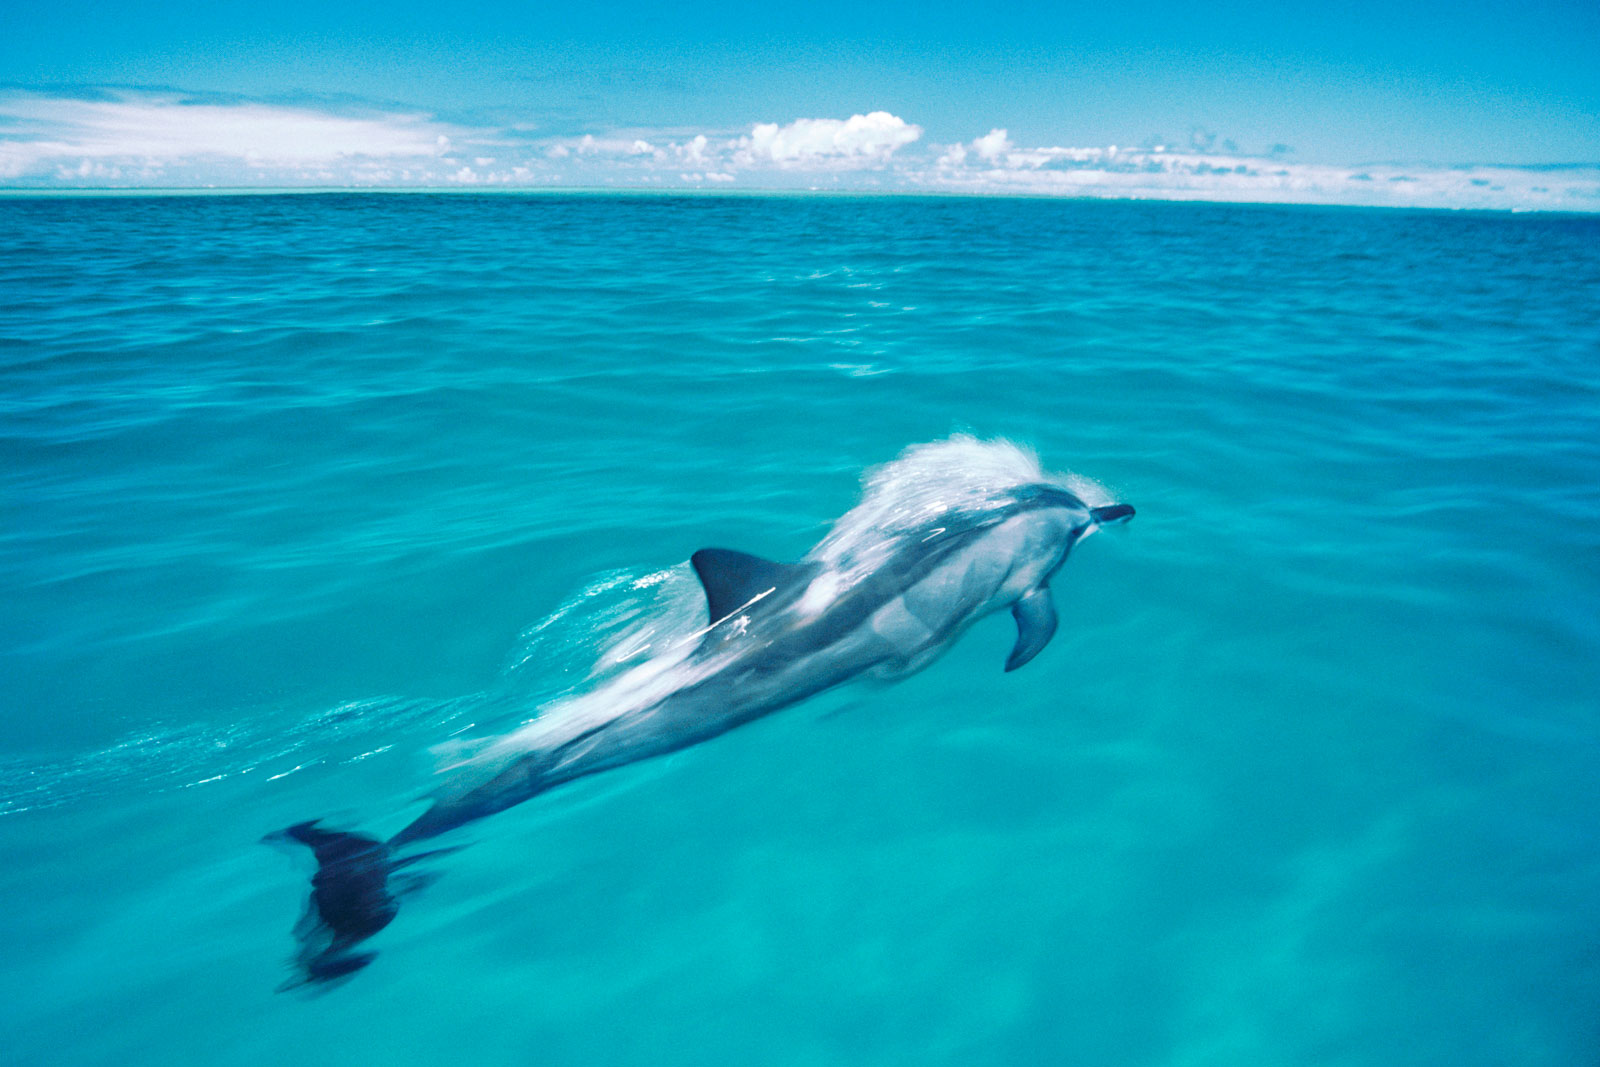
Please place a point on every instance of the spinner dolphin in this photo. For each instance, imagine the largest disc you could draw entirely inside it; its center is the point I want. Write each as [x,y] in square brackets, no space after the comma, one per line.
[939,558]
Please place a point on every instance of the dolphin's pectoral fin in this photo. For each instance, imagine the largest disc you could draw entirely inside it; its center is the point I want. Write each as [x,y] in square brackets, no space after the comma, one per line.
[734,580]
[1036,624]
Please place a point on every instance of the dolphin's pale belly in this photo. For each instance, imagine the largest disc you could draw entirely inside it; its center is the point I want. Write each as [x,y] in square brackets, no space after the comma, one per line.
[921,623]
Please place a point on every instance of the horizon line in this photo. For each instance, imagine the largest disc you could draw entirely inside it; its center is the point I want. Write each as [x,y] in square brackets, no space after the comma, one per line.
[120,192]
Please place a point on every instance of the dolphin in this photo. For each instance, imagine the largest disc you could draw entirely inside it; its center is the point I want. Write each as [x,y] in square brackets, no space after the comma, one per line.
[776,634]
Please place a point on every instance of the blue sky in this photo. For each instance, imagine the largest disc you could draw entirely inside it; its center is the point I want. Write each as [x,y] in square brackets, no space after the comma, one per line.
[1401,101]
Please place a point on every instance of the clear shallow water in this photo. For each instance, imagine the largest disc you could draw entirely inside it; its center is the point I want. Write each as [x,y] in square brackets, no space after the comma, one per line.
[290,485]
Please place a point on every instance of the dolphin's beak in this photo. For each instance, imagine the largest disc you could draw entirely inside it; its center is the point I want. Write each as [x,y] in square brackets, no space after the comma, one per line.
[1112,513]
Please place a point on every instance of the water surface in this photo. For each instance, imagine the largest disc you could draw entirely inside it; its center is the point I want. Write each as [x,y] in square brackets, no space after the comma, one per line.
[297,488]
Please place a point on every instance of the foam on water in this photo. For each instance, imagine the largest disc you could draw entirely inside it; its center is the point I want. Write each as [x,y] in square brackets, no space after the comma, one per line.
[928,483]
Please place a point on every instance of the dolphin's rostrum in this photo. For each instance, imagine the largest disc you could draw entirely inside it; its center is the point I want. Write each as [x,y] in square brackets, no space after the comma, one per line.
[776,634]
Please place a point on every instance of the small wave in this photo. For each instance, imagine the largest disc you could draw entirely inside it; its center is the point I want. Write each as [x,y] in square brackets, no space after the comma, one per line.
[163,758]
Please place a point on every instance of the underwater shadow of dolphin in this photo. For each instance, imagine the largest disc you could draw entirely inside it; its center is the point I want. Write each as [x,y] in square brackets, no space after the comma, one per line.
[778,634]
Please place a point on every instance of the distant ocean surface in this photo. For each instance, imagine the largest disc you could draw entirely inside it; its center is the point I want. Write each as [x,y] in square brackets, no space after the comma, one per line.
[296,489]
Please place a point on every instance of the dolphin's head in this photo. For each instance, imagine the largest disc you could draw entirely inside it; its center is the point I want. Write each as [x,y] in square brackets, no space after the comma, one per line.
[1064,519]
[1046,496]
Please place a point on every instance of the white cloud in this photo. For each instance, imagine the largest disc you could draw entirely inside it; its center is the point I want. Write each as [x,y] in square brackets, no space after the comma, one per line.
[992,145]
[808,145]
[590,145]
[997,149]
[1159,173]
[857,141]
[694,152]
[133,138]
[39,133]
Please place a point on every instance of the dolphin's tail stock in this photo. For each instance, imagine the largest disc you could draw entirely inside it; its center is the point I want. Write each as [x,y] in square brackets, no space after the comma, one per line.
[353,896]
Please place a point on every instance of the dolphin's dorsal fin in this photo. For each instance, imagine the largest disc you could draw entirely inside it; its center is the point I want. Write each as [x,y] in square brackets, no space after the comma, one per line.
[734,579]
[1036,625]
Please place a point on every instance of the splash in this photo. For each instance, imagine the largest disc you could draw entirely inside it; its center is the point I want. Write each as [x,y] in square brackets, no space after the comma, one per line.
[627,615]
[618,645]
[928,483]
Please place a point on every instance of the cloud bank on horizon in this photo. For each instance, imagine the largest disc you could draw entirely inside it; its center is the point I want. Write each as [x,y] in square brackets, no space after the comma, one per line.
[147,139]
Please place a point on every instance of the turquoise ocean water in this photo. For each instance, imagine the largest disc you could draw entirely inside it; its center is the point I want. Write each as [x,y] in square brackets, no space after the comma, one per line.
[297,489]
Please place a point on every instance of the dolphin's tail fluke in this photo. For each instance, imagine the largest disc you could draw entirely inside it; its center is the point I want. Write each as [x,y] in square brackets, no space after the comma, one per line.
[351,900]
[355,893]
[1112,513]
